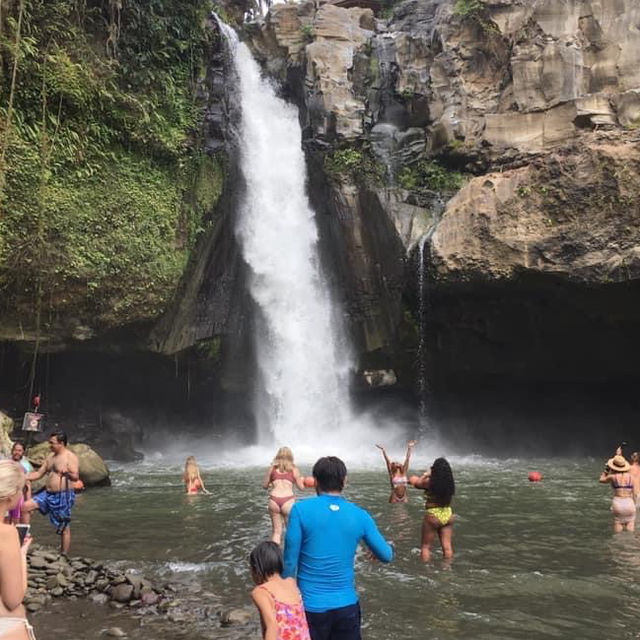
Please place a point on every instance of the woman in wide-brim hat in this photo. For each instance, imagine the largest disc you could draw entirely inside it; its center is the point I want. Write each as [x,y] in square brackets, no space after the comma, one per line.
[625,491]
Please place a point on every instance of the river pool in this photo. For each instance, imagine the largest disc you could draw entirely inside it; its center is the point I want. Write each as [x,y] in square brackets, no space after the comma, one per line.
[532,561]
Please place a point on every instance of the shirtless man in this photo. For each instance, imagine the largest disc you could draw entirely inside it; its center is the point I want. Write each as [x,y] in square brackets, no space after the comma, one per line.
[59,496]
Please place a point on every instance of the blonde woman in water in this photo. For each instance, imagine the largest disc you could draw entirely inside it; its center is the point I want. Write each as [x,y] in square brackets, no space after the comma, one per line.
[279,479]
[191,476]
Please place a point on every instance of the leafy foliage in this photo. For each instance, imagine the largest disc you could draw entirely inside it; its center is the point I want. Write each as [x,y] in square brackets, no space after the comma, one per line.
[429,174]
[355,164]
[468,8]
[104,189]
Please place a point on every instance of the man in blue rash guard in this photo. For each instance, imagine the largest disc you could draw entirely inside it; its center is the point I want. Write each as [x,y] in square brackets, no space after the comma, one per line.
[322,537]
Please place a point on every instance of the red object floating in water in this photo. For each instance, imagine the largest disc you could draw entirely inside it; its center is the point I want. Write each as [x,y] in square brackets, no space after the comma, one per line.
[413,480]
[78,485]
[309,482]
[535,476]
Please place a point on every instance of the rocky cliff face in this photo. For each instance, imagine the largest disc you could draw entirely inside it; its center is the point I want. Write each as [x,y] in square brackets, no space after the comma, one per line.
[505,128]
[500,134]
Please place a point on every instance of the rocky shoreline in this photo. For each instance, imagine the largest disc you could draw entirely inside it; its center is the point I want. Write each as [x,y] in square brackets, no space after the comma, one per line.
[52,575]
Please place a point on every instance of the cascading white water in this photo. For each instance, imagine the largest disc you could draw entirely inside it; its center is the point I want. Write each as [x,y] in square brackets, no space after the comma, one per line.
[303,363]
[422,345]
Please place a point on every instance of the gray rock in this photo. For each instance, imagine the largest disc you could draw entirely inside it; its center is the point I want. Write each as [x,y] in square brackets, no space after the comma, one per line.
[37,562]
[58,591]
[235,616]
[115,632]
[52,582]
[99,598]
[122,592]
[34,606]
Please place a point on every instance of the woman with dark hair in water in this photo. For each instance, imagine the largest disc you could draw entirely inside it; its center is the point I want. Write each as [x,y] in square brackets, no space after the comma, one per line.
[439,489]
[398,474]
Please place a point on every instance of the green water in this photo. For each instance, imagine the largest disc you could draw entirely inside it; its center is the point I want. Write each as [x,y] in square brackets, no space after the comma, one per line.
[531,560]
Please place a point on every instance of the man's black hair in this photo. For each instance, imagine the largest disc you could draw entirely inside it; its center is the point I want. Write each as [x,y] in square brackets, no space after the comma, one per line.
[60,436]
[16,443]
[330,473]
[266,560]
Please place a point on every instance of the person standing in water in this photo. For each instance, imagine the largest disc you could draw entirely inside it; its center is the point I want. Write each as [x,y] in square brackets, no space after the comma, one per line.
[62,470]
[398,474]
[280,478]
[440,488]
[191,477]
[277,599]
[625,492]
[322,538]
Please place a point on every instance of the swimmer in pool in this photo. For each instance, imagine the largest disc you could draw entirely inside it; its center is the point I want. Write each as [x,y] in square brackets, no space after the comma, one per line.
[279,480]
[398,474]
[191,477]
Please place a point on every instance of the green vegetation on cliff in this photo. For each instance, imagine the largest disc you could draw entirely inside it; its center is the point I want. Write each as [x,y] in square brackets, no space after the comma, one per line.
[429,174]
[102,186]
[357,164]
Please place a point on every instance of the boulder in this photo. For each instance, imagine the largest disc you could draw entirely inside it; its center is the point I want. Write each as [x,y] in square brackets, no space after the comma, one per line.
[6,427]
[93,470]
[122,592]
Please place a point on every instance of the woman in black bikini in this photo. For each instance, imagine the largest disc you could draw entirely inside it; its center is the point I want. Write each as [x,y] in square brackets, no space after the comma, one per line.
[280,478]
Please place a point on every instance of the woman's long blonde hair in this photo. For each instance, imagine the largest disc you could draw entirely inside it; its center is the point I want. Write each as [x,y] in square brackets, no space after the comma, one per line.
[283,460]
[191,471]
[12,479]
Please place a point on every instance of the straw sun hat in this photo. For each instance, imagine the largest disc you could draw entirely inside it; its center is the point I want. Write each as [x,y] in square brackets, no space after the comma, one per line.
[618,464]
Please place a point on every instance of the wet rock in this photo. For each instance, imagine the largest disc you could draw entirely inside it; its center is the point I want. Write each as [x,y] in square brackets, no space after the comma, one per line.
[122,592]
[58,591]
[37,562]
[52,582]
[235,616]
[33,606]
[99,598]
[115,632]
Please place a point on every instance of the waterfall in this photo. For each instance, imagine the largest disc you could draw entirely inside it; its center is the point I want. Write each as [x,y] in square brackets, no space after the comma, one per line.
[302,399]
[437,208]
[422,347]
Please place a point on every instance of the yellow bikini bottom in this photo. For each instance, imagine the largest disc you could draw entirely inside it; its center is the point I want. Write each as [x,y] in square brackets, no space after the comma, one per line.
[442,514]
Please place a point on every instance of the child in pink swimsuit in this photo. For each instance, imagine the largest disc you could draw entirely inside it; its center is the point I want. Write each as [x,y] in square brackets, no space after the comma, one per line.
[278,600]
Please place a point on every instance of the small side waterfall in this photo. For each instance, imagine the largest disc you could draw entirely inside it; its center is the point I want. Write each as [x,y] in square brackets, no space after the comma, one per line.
[302,398]
[422,346]
[423,309]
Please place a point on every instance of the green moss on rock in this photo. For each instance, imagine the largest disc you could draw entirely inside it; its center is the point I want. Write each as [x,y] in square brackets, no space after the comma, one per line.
[105,188]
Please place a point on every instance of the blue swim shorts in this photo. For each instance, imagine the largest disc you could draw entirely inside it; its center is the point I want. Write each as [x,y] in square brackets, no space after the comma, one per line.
[57,505]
